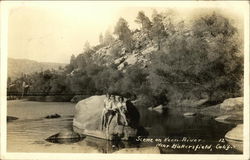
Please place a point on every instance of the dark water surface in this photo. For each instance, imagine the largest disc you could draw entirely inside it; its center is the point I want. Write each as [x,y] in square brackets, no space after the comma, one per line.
[28,133]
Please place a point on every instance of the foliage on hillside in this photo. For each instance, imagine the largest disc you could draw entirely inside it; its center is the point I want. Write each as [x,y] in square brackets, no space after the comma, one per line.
[163,62]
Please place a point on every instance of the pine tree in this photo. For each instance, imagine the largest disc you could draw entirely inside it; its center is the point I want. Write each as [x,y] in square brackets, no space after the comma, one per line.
[124,33]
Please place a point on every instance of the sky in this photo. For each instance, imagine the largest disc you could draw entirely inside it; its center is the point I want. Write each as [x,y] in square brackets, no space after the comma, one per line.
[53,31]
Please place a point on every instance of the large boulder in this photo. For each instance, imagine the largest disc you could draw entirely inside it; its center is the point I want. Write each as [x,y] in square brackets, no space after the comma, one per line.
[232,104]
[77,98]
[87,120]
[235,137]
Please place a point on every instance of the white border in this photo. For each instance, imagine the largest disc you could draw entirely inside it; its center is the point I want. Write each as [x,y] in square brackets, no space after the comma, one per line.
[3,75]
[6,5]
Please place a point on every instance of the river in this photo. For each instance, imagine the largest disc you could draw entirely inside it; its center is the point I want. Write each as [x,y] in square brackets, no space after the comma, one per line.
[28,133]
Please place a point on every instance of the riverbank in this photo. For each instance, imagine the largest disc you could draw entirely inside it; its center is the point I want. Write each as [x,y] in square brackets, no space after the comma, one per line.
[213,111]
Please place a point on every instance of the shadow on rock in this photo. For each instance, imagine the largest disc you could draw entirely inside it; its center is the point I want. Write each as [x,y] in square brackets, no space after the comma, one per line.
[132,114]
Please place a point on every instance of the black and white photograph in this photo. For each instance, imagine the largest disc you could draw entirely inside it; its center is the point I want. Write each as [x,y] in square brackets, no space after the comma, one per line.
[121,79]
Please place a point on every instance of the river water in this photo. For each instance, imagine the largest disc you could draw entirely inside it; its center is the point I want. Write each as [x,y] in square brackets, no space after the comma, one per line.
[28,133]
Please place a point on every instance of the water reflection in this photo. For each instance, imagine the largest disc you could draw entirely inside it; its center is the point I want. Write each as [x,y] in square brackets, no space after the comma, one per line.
[64,140]
[28,133]
[173,123]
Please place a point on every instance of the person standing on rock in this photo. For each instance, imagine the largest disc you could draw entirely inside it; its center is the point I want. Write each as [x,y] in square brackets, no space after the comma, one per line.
[111,110]
[107,105]
[121,110]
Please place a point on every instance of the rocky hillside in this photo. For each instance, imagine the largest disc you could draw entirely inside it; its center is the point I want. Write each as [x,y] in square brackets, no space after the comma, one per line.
[123,58]
[18,66]
[177,62]
[163,62]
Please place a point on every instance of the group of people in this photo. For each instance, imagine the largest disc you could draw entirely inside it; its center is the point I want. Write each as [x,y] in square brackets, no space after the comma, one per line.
[113,106]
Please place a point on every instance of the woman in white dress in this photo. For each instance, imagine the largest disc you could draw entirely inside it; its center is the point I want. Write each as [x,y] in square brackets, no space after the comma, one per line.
[122,109]
[107,105]
[111,109]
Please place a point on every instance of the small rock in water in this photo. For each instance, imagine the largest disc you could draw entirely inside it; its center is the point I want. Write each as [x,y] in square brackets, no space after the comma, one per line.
[11,118]
[65,136]
[158,109]
[189,114]
[229,119]
[53,116]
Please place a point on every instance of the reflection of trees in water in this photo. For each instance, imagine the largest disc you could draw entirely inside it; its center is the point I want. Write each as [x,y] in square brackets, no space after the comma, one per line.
[173,123]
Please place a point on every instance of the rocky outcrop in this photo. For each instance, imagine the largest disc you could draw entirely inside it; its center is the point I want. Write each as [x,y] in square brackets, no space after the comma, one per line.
[87,120]
[144,47]
[232,104]
[230,111]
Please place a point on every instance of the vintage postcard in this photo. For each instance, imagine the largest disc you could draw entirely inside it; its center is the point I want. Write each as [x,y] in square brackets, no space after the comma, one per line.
[124,80]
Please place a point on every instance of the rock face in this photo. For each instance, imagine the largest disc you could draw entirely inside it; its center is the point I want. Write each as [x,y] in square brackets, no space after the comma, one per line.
[232,104]
[77,98]
[235,137]
[87,120]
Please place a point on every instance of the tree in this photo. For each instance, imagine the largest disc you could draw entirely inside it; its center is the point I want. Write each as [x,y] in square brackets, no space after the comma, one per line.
[204,62]
[124,34]
[101,39]
[72,59]
[144,21]
[220,41]
[86,46]
[108,38]
[157,30]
